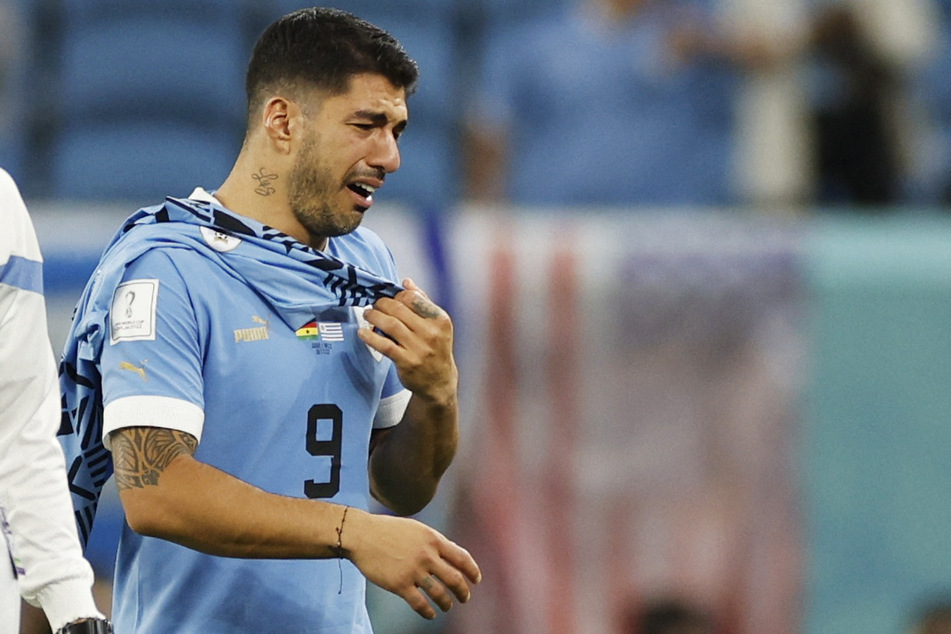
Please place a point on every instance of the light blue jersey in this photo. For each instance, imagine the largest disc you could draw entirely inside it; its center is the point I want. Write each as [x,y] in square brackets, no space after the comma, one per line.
[279,395]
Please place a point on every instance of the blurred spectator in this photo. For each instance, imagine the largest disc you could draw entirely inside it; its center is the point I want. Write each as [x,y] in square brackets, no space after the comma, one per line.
[862,56]
[856,146]
[773,144]
[608,102]
[667,616]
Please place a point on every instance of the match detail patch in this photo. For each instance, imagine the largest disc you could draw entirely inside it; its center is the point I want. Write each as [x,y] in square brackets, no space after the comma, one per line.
[132,317]
[218,240]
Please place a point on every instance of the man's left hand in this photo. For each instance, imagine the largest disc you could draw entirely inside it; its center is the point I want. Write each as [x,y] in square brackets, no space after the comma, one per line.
[418,339]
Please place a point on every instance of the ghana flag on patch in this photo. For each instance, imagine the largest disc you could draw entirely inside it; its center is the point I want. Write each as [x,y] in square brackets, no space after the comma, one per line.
[308,331]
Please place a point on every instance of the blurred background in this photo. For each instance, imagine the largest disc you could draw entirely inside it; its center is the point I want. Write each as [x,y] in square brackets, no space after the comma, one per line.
[698,254]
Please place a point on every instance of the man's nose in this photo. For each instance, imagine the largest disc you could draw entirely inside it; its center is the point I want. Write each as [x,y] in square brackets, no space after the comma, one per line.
[385,154]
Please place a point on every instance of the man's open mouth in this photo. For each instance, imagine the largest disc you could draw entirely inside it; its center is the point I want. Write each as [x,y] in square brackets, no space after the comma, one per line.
[363,190]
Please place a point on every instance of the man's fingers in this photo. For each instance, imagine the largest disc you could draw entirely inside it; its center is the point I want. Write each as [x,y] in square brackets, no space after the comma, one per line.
[384,345]
[417,600]
[393,317]
[436,591]
[460,559]
[419,302]
[400,319]
[456,570]
[411,285]
[389,343]
[454,581]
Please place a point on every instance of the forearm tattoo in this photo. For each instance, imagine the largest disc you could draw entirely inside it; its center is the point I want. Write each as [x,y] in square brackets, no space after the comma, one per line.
[141,454]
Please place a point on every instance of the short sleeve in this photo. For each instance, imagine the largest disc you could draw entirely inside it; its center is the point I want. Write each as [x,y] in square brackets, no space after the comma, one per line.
[393,401]
[151,363]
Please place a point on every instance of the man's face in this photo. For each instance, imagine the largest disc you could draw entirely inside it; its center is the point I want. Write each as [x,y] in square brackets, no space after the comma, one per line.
[349,146]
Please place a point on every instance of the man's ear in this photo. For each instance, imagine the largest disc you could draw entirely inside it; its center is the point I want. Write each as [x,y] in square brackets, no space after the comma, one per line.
[278,119]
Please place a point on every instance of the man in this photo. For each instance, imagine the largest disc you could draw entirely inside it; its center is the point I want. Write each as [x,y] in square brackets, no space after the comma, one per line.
[45,564]
[248,355]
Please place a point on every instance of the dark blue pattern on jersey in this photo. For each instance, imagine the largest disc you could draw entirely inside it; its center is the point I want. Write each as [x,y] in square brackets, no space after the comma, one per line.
[296,280]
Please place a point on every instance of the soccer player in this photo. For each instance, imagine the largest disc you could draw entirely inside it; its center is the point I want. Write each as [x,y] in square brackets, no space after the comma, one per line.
[36,517]
[258,371]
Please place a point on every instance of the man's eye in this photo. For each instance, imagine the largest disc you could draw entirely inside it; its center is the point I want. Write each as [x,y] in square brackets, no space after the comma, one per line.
[364,126]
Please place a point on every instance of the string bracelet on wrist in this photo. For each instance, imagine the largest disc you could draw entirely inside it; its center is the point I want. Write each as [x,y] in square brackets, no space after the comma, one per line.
[338,549]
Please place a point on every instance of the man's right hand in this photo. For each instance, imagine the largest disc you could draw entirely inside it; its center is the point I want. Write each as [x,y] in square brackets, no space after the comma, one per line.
[409,559]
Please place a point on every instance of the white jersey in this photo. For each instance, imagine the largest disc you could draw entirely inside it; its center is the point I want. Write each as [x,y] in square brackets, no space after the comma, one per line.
[45,564]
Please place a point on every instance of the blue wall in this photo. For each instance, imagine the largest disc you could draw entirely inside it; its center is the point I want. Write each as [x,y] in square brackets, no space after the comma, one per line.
[876,458]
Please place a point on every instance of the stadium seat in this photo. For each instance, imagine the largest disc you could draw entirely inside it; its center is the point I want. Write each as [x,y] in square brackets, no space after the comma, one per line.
[150,96]
[502,14]
[140,162]
[15,79]
[146,58]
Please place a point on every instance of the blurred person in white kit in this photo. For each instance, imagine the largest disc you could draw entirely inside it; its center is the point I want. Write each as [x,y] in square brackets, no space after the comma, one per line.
[45,565]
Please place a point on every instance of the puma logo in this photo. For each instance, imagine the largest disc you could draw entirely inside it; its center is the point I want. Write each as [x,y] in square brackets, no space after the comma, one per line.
[258,333]
[125,365]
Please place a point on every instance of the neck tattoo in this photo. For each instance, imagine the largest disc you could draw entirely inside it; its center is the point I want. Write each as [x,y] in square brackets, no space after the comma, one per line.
[264,180]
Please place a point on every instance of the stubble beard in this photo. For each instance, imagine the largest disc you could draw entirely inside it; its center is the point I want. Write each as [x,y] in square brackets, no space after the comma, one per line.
[311,193]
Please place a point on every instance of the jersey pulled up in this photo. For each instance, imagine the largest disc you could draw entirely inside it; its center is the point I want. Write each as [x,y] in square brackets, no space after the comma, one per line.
[265,368]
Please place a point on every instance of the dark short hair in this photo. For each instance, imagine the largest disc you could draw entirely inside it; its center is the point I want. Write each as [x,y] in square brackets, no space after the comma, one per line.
[322,48]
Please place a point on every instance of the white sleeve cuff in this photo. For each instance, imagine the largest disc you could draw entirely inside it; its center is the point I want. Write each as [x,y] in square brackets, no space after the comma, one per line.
[391,409]
[152,411]
[67,601]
